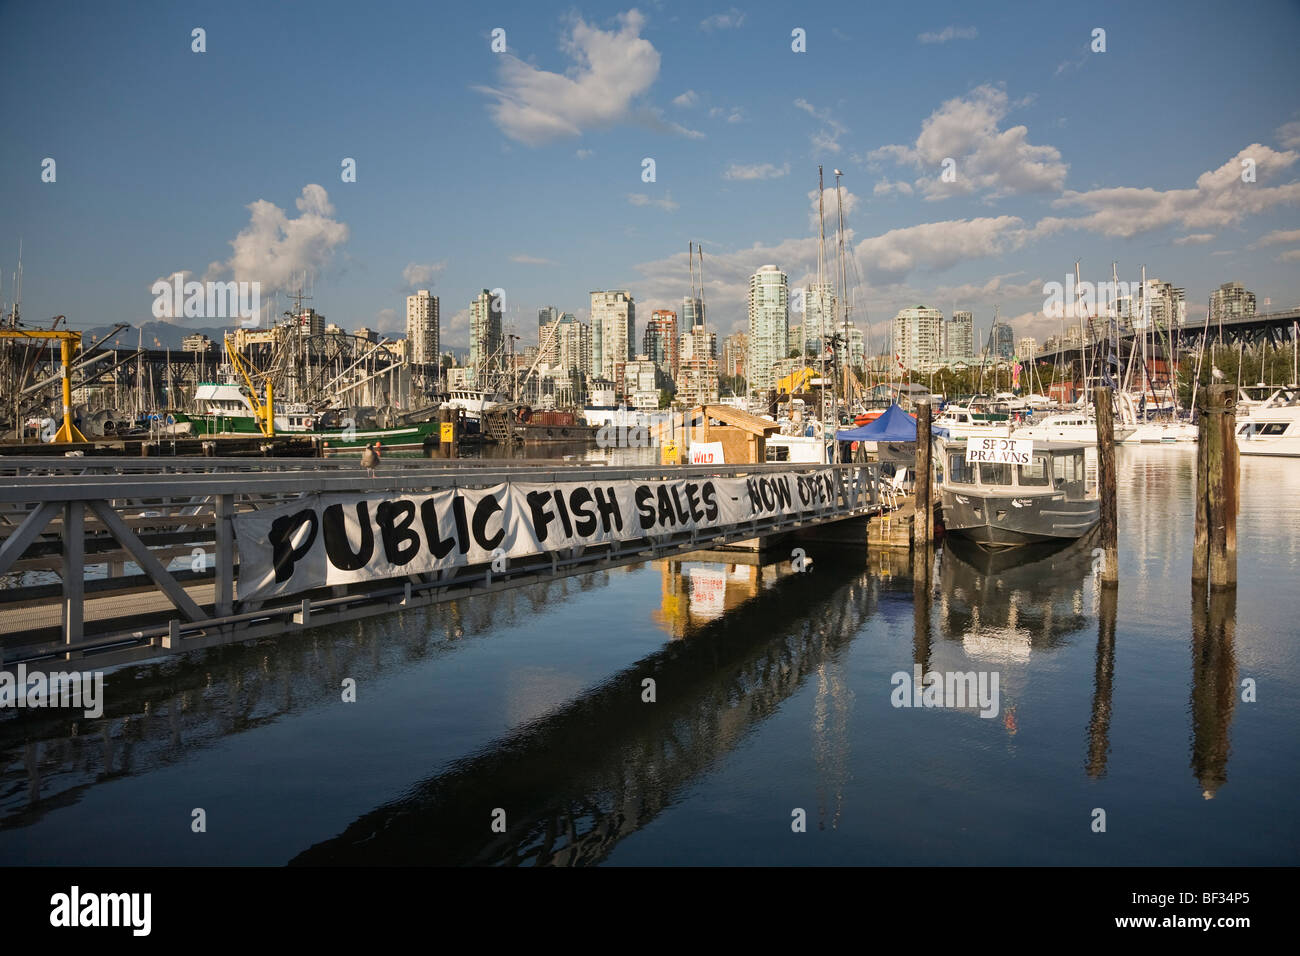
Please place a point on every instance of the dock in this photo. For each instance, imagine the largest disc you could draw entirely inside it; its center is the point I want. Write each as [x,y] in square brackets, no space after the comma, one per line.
[113,559]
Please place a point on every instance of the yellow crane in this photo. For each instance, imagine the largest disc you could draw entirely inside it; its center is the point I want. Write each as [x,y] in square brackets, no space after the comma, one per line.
[68,432]
[265,414]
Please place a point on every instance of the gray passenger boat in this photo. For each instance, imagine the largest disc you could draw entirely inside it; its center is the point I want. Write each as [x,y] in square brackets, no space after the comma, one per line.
[999,506]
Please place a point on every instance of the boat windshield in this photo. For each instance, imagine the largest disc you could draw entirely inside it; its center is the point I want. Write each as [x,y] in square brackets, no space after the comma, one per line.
[1035,474]
[959,471]
[991,474]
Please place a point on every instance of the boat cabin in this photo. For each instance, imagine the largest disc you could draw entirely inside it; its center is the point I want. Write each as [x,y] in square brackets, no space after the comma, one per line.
[1053,467]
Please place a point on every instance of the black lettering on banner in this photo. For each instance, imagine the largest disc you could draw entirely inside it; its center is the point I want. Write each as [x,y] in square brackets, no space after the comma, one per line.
[439,546]
[337,546]
[401,544]
[769,499]
[667,514]
[563,511]
[462,523]
[805,495]
[584,519]
[693,502]
[609,510]
[783,495]
[537,501]
[710,496]
[283,554]
[682,514]
[645,506]
[482,515]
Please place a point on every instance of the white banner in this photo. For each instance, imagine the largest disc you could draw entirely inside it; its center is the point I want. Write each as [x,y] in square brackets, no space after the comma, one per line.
[999,451]
[322,540]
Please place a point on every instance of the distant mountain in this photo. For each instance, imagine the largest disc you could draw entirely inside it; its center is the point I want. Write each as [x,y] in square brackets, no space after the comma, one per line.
[157,335]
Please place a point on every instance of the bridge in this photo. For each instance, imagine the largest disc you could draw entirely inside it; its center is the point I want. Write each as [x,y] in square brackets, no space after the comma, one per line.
[109,560]
[1274,328]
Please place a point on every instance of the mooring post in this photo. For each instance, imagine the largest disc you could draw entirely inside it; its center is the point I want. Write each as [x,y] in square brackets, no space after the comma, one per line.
[1104,399]
[444,417]
[1217,490]
[923,525]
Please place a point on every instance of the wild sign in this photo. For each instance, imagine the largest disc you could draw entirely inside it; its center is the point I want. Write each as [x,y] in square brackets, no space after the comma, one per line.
[321,540]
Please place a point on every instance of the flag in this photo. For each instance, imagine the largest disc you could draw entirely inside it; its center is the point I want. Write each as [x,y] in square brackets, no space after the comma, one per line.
[1015,372]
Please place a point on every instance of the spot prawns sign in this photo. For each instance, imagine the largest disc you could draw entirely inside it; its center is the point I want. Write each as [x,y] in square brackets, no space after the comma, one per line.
[323,540]
[999,451]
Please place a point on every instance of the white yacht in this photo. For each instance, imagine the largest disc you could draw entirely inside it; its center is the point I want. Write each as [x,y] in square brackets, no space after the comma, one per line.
[1163,431]
[1271,425]
[1077,426]
[962,422]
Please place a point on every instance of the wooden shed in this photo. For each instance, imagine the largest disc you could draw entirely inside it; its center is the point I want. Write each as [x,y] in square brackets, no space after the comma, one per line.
[743,436]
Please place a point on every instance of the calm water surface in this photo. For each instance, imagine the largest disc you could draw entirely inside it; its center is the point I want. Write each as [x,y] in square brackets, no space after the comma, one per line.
[773,693]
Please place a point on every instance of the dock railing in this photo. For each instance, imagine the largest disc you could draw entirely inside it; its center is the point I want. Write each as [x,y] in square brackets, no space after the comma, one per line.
[158,540]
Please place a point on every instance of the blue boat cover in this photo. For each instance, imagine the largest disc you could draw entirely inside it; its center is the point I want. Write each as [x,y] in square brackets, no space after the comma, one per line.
[894,425]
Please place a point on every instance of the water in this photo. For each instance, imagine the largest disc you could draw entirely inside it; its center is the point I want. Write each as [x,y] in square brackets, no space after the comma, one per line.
[772,694]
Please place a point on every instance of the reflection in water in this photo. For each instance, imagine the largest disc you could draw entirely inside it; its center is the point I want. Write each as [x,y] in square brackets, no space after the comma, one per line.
[582,778]
[1102,683]
[1214,684]
[159,714]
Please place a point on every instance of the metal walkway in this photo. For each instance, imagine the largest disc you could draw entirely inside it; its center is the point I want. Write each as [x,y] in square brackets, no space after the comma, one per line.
[104,561]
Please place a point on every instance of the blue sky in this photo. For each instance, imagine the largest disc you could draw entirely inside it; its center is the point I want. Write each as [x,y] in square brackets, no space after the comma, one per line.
[523,170]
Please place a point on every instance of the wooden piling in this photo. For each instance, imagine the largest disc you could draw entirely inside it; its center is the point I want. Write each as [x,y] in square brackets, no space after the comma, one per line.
[923,525]
[1214,555]
[1104,400]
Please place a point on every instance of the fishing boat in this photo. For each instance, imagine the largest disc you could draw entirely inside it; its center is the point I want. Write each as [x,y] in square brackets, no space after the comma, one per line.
[1001,506]
[1269,425]
[224,408]
[963,421]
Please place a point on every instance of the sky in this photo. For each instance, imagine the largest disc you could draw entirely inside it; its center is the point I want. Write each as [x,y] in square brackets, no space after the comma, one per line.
[524,167]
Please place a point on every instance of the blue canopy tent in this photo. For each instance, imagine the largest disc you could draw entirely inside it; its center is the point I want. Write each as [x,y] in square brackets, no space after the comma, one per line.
[894,425]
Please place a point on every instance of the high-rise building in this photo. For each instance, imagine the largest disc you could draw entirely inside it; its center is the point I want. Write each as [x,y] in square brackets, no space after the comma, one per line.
[1027,348]
[918,338]
[613,332]
[1162,304]
[422,333]
[819,318]
[959,337]
[311,322]
[1004,340]
[546,315]
[370,335]
[735,353]
[659,342]
[573,346]
[856,345]
[548,336]
[1231,301]
[692,313]
[485,336]
[769,325]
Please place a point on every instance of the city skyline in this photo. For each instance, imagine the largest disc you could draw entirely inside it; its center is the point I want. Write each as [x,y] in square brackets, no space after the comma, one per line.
[567,115]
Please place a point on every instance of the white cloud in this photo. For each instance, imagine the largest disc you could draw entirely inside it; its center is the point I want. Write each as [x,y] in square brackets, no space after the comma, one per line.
[999,162]
[827,138]
[585,153]
[1194,239]
[416,274]
[1219,198]
[531,260]
[1278,237]
[609,71]
[886,188]
[1288,134]
[687,99]
[278,251]
[830,204]
[935,246]
[1291,255]
[641,199]
[756,171]
[732,114]
[949,33]
[730,20]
